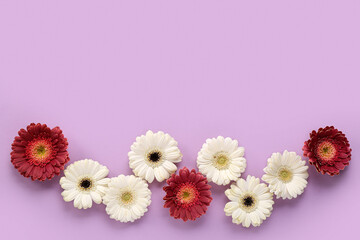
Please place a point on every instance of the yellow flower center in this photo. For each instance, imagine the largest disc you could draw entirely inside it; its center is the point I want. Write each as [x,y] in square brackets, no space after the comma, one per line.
[187,194]
[221,160]
[126,197]
[285,175]
[40,150]
[326,151]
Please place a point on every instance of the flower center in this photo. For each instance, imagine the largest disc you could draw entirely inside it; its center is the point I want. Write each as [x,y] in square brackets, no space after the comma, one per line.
[40,151]
[187,195]
[326,151]
[285,175]
[248,203]
[154,158]
[221,160]
[85,184]
[126,197]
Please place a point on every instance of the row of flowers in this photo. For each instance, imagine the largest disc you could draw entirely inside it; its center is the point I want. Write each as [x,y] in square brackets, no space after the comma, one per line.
[41,153]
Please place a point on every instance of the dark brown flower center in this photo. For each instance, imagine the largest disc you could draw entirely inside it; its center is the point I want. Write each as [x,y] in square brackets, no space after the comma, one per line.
[248,201]
[154,156]
[85,184]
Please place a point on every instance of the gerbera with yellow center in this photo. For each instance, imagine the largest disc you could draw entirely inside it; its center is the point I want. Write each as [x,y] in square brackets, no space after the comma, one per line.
[328,150]
[250,202]
[153,156]
[127,198]
[221,160]
[188,195]
[39,152]
[286,175]
[84,182]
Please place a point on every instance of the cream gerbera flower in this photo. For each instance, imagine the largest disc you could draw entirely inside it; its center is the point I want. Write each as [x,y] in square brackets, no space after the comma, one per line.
[221,160]
[250,202]
[84,182]
[127,198]
[153,156]
[286,175]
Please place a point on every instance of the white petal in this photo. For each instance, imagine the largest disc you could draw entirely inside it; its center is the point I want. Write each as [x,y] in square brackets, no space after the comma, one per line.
[86,201]
[69,195]
[149,175]
[96,197]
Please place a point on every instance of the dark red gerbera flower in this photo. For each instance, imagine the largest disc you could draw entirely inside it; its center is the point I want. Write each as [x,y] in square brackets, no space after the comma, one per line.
[187,195]
[328,150]
[39,152]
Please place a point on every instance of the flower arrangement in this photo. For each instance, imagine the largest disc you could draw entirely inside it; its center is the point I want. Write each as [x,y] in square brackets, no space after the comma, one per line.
[40,153]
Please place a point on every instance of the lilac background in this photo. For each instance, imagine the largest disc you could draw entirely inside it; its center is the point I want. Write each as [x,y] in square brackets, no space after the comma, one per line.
[263,72]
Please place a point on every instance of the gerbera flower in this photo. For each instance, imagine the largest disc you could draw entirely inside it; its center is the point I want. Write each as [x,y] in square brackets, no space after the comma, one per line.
[187,195]
[153,156]
[39,152]
[84,182]
[286,175]
[328,150]
[250,202]
[221,160]
[127,198]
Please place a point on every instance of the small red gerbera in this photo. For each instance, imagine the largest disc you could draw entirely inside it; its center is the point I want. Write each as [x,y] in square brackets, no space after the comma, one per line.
[187,195]
[328,150]
[39,152]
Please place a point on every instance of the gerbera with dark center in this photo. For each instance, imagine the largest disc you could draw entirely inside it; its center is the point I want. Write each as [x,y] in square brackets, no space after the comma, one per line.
[250,202]
[153,156]
[328,150]
[188,195]
[39,152]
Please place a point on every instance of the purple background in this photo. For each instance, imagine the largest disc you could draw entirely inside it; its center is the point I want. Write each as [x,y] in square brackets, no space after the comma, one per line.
[263,72]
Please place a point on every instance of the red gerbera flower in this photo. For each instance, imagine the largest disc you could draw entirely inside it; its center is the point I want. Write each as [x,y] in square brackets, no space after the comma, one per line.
[187,195]
[328,150]
[39,152]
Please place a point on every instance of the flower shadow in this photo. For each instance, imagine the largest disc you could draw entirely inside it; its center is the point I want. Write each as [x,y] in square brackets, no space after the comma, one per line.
[218,189]
[30,185]
[287,203]
[68,208]
[326,181]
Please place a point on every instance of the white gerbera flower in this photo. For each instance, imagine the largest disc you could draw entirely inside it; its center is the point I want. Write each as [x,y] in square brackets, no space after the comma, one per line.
[84,182]
[286,175]
[250,202]
[153,156]
[127,198]
[221,160]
